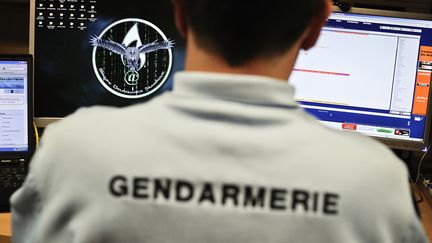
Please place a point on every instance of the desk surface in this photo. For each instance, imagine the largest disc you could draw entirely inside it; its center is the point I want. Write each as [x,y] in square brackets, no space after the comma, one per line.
[5,228]
[425,208]
[426,212]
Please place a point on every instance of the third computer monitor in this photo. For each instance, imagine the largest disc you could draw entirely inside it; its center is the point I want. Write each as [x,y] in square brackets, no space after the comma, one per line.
[370,74]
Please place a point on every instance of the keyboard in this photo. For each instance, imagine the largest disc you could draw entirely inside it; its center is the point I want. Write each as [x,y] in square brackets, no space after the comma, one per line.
[12,173]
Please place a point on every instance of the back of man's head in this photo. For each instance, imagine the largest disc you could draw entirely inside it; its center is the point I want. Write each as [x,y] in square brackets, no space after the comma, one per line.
[240,31]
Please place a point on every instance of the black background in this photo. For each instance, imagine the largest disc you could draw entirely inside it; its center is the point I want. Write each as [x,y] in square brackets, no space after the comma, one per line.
[155,67]
[64,75]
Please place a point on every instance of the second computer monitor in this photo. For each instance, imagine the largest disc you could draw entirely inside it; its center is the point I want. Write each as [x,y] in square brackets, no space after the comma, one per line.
[106,52]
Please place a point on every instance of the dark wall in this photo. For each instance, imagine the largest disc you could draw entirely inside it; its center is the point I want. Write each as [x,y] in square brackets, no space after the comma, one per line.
[14,27]
[14,19]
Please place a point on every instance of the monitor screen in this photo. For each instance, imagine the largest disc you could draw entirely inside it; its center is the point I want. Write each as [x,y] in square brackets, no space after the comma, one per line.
[14,106]
[370,74]
[102,53]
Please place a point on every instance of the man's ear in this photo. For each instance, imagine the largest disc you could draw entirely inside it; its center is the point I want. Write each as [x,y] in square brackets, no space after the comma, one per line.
[318,21]
[179,16]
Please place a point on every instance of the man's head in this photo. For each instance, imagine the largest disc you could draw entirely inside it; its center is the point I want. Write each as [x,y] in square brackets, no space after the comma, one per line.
[240,31]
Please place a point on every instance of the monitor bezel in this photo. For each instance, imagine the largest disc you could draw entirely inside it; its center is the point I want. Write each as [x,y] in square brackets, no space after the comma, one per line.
[392,143]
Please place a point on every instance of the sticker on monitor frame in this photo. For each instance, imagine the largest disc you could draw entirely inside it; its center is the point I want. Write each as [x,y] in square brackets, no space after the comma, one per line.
[132,58]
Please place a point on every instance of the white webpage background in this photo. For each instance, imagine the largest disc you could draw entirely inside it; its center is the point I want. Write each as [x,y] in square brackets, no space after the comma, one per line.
[369,59]
[13,110]
[405,75]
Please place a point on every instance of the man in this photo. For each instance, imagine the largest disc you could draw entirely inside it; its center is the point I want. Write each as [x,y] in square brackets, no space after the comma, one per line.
[228,156]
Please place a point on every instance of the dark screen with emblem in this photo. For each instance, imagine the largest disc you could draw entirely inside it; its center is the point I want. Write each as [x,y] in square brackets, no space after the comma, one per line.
[65,78]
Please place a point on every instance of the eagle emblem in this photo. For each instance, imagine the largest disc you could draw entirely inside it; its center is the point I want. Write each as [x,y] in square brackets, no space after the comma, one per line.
[131,55]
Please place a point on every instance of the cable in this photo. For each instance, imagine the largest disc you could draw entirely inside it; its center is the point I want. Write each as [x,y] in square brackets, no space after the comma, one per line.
[420,164]
[36,134]
[417,196]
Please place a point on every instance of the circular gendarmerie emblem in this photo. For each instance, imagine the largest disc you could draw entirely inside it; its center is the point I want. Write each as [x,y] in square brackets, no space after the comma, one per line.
[132,58]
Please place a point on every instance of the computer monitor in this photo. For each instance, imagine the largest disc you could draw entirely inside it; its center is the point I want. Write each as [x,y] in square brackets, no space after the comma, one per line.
[371,74]
[16,111]
[80,53]
[16,123]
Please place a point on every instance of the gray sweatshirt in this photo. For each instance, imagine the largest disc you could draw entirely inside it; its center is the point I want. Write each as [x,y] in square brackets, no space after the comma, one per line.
[222,158]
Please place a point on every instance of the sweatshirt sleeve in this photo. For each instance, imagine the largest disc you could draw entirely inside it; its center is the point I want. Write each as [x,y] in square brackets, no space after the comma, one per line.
[26,207]
[27,203]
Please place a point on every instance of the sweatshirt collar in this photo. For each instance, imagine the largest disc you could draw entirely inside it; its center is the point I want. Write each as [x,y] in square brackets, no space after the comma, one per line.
[251,89]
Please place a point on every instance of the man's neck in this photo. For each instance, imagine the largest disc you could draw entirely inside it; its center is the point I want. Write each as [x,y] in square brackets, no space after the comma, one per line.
[279,67]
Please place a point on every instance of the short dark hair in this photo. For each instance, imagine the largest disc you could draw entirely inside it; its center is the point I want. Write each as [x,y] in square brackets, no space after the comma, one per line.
[241,30]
